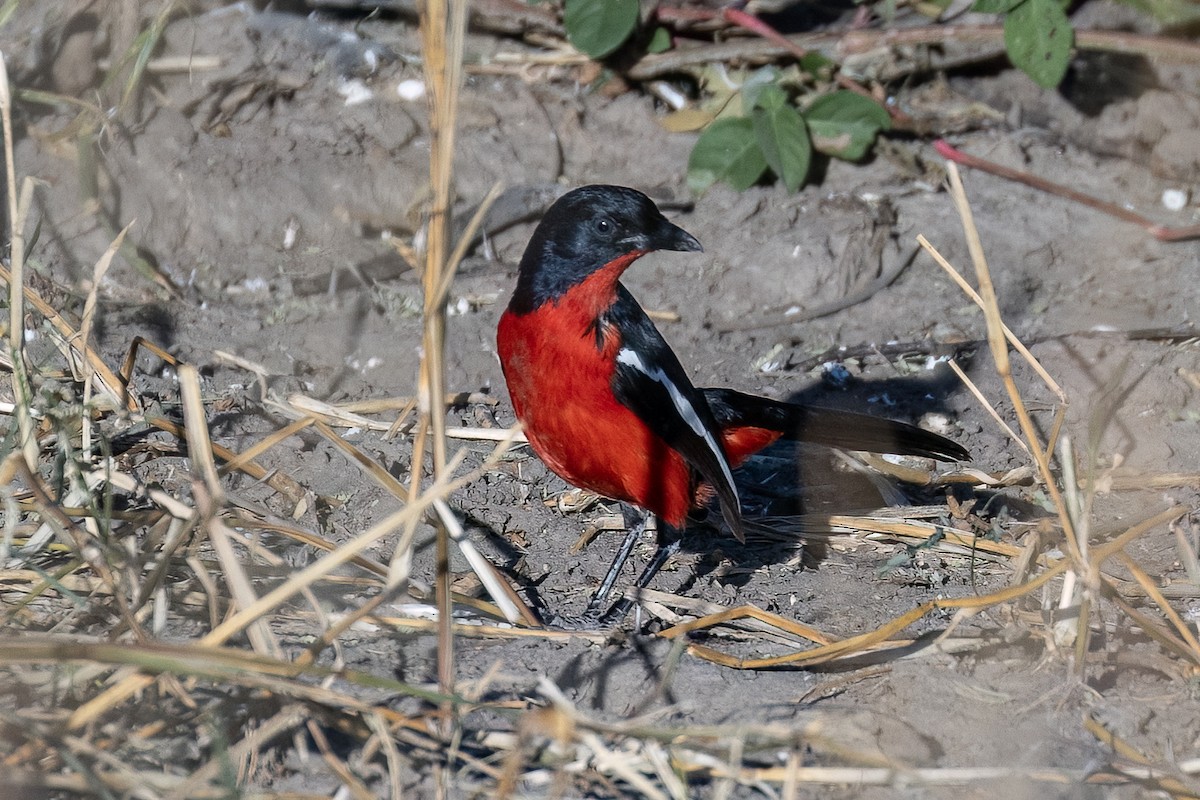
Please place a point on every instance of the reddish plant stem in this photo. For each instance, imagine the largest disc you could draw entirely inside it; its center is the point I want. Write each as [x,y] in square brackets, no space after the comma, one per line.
[1160,232]
[742,19]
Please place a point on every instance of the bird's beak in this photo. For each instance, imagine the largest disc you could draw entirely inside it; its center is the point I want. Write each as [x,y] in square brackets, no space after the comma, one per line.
[670,236]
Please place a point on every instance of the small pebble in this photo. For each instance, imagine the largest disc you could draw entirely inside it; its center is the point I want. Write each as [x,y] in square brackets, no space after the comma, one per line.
[355,92]
[1175,199]
[411,89]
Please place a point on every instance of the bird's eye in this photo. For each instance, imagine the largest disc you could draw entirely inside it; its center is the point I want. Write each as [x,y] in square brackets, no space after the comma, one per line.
[603,225]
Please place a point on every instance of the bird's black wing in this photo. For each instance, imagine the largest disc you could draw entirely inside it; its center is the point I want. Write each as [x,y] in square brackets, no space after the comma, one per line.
[650,382]
[831,427]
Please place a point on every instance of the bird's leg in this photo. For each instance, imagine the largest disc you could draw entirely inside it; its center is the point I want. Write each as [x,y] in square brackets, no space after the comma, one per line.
[635,526]
[669,539]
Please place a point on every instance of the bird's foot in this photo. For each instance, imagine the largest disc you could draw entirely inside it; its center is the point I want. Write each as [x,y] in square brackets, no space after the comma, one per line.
[593,618]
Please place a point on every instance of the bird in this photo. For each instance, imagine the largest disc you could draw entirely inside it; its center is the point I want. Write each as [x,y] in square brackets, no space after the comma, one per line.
[606,403]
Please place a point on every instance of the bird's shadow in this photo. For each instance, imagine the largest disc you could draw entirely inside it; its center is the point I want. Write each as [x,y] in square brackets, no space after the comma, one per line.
[790,479]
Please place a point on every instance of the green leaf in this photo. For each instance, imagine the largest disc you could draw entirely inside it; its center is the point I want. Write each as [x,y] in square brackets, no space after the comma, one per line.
[761,80]
[1038,37]
[995,6]
[727,151]
[769,97]
[844,124]
[660,41]
[783,140]
[816,64]
[598,27]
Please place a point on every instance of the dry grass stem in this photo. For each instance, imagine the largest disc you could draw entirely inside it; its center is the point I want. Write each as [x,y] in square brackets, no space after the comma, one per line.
[997,343]
[510,604]
[108,379]
[16,280]
[295,583]
[987,405]
[880,638]
[970,292]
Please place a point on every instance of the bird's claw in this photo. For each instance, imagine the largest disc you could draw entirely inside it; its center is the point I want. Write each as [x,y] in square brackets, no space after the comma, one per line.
[593,618]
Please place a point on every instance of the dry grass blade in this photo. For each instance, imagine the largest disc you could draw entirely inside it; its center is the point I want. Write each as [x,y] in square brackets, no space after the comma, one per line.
[486,631]
[215,663]
[279,481]
[380,405]
[146,783]
[1152,591]
[914,776]
[1152,628]
[510,604]
[1187,553]
[1124,749]
[296,583]
[391,753]
[244,459]
[16,280]
[915,531]
[200,449]
[364,462]
[970,292]
[137,489]
[108,379]
[286,720]
[350,781]
[902,526]
[210,496]
[619,764]
[987,405]
[80,366]
[302,406]
[443,29]
[997,343]
[755,613]
[464,241]
[880,638]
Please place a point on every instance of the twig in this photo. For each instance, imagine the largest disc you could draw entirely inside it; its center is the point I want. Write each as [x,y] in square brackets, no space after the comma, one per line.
[1160,232]
[839,45]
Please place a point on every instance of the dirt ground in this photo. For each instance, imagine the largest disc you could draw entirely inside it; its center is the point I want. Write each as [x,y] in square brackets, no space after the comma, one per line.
[225,160]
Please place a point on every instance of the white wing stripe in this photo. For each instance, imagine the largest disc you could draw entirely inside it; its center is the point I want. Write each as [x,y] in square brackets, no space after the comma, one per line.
[631,358]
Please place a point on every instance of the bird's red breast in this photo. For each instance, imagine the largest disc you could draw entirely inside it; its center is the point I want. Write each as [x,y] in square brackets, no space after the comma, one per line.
[559,360]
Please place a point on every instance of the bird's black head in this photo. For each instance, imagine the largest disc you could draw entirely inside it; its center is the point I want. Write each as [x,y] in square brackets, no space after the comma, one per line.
[585,230]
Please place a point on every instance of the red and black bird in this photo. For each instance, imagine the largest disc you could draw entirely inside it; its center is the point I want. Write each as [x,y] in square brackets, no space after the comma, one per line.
[605,402]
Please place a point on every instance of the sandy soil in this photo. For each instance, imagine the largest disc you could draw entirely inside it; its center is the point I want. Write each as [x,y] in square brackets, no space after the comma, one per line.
[225,160]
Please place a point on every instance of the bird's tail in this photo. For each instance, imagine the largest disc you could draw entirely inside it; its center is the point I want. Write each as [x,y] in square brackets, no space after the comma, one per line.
[749,423]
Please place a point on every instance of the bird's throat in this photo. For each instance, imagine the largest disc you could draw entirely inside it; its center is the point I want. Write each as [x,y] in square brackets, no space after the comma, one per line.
[596,293]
